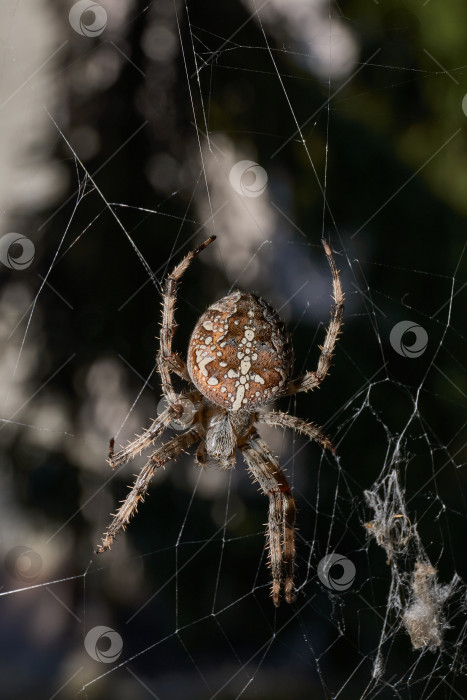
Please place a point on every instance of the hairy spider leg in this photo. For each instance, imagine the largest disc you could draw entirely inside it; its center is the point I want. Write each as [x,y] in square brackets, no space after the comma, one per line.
[310,380]
[265,469]
[171,450]
[167,360]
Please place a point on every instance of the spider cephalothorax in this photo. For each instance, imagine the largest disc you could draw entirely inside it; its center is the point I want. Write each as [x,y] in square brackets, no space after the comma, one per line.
[239,358]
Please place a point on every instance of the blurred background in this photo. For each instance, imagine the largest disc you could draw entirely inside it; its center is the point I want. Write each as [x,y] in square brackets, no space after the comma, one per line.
[130,132]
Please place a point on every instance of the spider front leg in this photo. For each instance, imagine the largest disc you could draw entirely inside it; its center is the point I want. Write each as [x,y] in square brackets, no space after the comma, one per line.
[167,360]
[310,380]
[133,448]
[278,419]
[183,413]
[281,523]
[161,456]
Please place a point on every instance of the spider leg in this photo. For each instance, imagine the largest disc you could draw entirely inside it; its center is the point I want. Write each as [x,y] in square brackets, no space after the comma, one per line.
[285,420]
[310,380]
[167,360]
[265,469]
[163,454]
[142,441]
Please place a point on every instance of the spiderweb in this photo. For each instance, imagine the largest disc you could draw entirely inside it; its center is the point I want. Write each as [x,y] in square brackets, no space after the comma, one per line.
[271,125]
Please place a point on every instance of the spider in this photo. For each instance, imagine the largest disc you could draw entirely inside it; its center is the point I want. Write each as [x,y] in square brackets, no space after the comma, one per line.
[240,357]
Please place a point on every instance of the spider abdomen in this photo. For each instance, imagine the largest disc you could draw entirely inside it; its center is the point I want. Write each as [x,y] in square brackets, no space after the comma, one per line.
[240,355]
